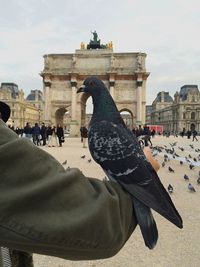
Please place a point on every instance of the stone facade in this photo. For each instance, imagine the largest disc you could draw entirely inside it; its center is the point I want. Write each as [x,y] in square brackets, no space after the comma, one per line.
[22,110]
[123,73]
[181,112]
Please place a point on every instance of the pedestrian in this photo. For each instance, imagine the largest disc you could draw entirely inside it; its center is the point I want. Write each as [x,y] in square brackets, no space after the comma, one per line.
[36,134]
[194,135]
[84,136]
[52,141]
[28,131]
[43,133]
[60,134]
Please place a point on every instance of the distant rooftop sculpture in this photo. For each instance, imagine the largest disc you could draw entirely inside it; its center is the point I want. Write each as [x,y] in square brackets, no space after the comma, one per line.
[96,42]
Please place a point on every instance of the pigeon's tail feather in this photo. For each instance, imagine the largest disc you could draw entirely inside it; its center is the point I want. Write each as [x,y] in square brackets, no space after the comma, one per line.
[146,222]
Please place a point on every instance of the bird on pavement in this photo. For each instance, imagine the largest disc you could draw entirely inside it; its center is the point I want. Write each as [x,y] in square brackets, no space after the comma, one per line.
[163,164]
[186,177]
[83,156]
[191,188]
[114,147]
[181,162]
[64,163]
[191,166]
[170,189]
[170,169]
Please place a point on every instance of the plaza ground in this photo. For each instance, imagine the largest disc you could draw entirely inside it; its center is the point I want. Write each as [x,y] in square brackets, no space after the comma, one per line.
[175,247]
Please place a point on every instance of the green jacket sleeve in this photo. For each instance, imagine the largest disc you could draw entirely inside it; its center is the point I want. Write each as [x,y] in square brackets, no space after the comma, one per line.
[49,210]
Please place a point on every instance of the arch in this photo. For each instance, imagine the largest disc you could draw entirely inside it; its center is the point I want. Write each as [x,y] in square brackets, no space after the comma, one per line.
[84,116]
[59,116]
[127,116]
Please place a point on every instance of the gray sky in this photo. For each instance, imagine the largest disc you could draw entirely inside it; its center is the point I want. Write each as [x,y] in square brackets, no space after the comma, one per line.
[168,31]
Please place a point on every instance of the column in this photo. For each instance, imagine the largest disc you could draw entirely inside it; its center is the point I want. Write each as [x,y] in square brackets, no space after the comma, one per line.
[139,102]
[47,107]
[74,131]
[73,106]
[112,89]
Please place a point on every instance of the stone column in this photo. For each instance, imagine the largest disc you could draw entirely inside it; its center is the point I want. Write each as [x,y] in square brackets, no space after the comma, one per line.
[112,89]
[73,124]
[139,102]
[47,107]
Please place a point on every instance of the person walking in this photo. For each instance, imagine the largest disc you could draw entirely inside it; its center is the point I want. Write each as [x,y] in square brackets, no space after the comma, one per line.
[194,135]
[43,134]
[84,135]
[60,134]
[36,134]
[28,131]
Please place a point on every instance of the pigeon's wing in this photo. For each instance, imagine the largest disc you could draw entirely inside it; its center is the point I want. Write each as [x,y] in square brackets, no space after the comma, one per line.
[121,157]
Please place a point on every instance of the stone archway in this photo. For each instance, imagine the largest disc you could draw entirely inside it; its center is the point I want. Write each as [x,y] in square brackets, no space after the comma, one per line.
[59,117]
[84,117]
[128,117]
[124,74]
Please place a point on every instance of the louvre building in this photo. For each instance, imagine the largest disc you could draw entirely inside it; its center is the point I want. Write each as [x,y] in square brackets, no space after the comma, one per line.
[175,114]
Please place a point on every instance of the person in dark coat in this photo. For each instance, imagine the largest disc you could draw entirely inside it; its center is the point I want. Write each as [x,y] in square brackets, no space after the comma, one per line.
[84,135]
[43,132]
[60,134]
[36,134]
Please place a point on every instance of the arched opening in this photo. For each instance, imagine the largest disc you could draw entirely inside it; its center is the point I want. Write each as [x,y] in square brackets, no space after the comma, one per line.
[127,117]
[61,118]
[86,109]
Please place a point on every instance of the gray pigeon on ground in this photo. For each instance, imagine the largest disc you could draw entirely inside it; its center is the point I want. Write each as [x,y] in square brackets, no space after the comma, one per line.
[186,177]
[191,188]
[114,147]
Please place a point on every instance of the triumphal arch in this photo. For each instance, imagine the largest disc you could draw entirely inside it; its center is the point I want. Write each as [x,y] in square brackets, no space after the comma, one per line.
[124,74]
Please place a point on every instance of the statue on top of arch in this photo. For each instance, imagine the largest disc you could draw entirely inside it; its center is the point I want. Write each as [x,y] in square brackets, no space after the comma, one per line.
[96,42]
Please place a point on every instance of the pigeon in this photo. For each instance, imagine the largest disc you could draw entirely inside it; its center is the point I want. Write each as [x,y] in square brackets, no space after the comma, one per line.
[198,180]
[64,163]
[191,166]
[83,156]
[170,189]
[89,160]
[186,177]
[191,188]
[192,146]
[163,164]
[181,162]
[114,147]
[170,169]
[181,148]
[189,156]
[195,159]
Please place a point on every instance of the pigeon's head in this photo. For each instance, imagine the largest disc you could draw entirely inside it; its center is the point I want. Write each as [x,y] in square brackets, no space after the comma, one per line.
[92,85]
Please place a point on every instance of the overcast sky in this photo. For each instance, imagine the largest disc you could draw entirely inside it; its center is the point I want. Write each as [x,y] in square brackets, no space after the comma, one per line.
[168,31]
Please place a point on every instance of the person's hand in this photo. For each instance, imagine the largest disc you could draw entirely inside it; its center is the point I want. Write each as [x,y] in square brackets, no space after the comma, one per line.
[151,159]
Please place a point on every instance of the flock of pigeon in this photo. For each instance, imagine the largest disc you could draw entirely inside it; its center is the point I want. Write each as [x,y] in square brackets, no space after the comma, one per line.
[171,152]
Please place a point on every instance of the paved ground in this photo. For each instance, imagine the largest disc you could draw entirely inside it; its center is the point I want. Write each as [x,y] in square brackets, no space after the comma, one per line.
[175,247]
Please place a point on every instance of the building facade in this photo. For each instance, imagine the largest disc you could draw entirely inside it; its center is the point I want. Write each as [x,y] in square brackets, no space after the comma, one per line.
[181,112]
[124,74]
[22,110]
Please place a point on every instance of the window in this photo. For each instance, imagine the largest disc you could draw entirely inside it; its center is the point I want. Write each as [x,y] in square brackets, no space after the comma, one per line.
[193,116]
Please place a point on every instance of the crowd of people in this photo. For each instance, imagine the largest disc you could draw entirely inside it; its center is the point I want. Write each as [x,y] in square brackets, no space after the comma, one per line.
[42,135]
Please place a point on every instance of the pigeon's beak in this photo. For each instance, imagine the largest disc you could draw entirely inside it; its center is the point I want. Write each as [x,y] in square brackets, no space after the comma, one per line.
[81,89]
